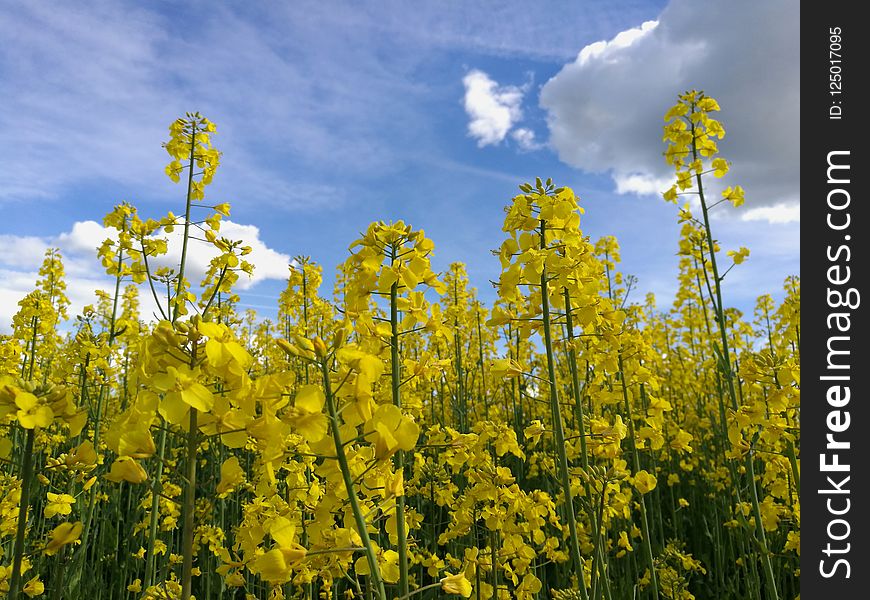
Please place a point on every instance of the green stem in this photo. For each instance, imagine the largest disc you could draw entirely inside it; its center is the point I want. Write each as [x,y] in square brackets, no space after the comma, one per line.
[725,367]
[180,286]
[395,379]
[189,507]
[98,415]
[483,391]
[647,540]
[599,557]
[362,528]
[795,470]
[35,322]
[57,578]
[23,505]
[151,564]
[557,425]
[598,536]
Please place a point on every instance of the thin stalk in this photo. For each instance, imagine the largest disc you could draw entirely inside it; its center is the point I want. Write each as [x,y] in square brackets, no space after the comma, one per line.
[725,366]
[483,391]
[150,565]
[57,576]
[461,400]
[598,536]
[309,587]
[305,311]
[189,507]
[477,573]
[362,528]
[644,521]
[180,286]
[395,380]
[23,505]
[104,390]
[35,323]
[557,425]
[599,557]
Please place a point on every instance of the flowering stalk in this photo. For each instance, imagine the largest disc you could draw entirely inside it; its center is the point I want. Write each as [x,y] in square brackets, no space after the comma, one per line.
[189,138]
[728,374]
[557,421]
[23,505]
[189,506]
[186,236]
[644,521]
[151,564]
[98,413]
[395,383]
[689,134]
[599,560]
[347,477]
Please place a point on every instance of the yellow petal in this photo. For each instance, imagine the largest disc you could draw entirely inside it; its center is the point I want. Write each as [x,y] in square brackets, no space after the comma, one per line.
[126,469]
[198,396]
[174,409]
[34,587]
[390,566]
[282,531]
[310,399]
[644,482]
[231,476]
[63,534]
[272,566]
[312,427]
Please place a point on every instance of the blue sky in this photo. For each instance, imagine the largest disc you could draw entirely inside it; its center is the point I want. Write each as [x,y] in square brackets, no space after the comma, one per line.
[334,114]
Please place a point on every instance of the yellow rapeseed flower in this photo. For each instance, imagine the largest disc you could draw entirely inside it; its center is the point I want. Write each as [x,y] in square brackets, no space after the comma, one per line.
[456,584]
[60,536]
[644,482]
[58,504]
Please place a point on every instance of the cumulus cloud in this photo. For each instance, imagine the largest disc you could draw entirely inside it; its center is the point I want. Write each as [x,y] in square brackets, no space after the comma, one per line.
[21,256]
[605,108]
[492,109]
[607,50]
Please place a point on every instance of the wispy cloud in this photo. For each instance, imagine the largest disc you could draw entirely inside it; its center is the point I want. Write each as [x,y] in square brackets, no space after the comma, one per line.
[113,76]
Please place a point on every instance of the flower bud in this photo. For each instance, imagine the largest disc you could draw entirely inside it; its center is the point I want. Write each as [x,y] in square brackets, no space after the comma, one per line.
[320,347]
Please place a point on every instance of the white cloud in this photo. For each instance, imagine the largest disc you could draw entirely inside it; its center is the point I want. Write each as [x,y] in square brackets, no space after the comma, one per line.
[21,256]
[268,263]
[640,183]
[778,213]
[492,109]
[605,108]
[608,50]
[525,139]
